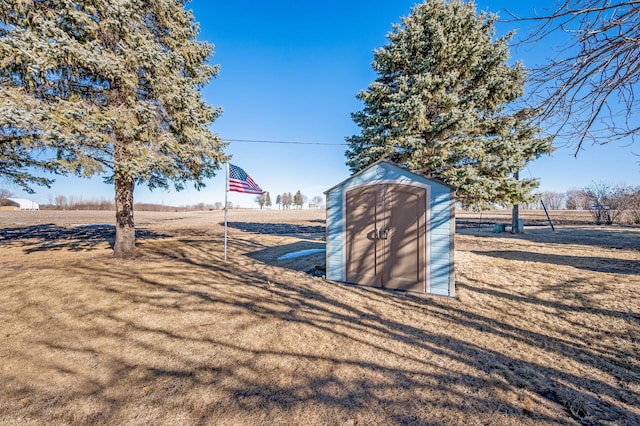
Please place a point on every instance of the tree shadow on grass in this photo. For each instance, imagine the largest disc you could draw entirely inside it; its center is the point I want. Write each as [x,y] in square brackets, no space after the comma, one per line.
[589,263]
[74,238]
[315,231]
[608,237]
[612,237]
[208,341]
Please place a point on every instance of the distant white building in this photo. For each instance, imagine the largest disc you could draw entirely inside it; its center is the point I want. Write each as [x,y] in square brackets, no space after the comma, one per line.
[25,204]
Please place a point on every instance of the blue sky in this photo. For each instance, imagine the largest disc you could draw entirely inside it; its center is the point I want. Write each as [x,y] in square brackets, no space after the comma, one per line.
[290,71]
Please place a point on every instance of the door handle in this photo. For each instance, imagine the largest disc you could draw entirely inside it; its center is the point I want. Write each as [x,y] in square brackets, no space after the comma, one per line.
[378,234]
[383,233]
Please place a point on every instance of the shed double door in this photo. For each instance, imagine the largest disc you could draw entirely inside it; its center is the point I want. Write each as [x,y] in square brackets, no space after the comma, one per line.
[386,236]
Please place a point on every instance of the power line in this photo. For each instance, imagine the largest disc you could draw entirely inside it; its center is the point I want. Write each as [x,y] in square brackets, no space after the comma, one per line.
[284,142]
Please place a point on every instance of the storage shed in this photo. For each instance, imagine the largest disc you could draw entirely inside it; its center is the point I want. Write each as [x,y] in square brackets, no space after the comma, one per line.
[388,227]
[25,204]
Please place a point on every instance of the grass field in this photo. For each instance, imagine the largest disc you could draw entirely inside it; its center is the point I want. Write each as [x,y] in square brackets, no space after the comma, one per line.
[545,328]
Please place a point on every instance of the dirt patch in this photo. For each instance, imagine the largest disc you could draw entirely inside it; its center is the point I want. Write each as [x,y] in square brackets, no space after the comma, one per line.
[542,332]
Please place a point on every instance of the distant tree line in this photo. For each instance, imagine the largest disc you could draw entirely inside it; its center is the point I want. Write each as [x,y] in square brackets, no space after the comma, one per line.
[287,200]
[607,203]
[61,202]
[73,202]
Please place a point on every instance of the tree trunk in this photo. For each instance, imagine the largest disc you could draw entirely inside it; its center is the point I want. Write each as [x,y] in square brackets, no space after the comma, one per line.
[125,228]
[515,213]
[515,216]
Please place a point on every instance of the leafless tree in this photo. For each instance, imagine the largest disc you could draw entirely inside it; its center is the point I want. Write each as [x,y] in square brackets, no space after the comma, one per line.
[634,207]
[576,199]
[553,200]
[317,201]
[287,200]
[61,201]
[5,193]
[587,90]
[609,202]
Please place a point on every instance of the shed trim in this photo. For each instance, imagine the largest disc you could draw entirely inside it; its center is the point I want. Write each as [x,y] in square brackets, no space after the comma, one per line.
[452,247]
[391,163]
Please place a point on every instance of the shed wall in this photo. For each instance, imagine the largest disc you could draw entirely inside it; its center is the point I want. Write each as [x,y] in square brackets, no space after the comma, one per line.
[440,232]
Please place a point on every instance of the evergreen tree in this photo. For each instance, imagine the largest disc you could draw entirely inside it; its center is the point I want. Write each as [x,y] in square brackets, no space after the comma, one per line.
[267,201]
[279,200]
[108,87]
[439,104]
[17,159]
[289,200]
[298,199]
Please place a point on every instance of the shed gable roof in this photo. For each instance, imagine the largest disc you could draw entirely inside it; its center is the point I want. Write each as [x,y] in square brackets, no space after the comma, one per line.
[397,166]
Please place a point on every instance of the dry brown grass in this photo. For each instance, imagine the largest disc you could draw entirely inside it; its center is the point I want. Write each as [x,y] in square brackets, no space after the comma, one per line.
[545,328]
[531,217]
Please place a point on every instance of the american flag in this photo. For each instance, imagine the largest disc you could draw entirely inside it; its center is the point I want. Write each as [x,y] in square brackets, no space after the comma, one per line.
[240,181]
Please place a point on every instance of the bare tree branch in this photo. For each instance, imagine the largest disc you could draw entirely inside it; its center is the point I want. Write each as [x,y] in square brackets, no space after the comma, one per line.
[587,91]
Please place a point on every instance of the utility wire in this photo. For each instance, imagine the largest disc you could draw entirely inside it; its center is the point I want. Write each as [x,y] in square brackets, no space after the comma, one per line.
[284,142]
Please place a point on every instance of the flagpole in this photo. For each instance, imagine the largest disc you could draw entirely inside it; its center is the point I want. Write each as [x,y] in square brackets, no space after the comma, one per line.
[226,193]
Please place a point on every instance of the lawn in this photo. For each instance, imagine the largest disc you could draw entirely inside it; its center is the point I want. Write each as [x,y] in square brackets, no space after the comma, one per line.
[545,327]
